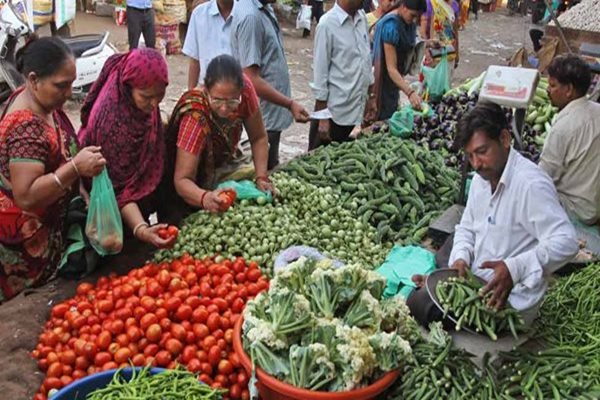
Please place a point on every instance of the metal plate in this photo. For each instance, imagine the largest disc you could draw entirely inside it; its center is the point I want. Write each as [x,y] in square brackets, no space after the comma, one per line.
[441,275]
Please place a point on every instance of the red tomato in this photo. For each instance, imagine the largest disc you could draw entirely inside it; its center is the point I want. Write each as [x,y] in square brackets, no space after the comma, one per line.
[189,352]
[214,355]
[122,355]
[138,360]
[253,274]
[104,306]
[55,370]
[147,320]
[68,357]
[178,332]
[81,363]
[134,333]
[173,303]
[165,324]
[116,327]
[84,288]
[151,350]
[184,312]
[153,333]
[238,305]
[200,331]
[103,340]
[225,367]
[52,383]
[200,315]
[221,304]
[148,303]
[209,342]
[194,365]
[235,391]
[163,358]
[213,322]
[253,289]
[102,358]
[110,365]
[174,347]
[59,310]
[163,233]
[173,231]
[90,350]
[205,378]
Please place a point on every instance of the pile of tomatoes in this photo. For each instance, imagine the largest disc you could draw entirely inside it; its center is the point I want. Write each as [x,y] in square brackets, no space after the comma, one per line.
[180,312]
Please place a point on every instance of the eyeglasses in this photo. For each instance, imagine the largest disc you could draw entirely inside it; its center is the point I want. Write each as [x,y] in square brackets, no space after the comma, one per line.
[230,103]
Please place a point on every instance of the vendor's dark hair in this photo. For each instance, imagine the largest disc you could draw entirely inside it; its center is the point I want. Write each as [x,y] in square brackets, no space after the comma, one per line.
[224,68]
[415,5]
[571,69]
[44,56]
[486,117]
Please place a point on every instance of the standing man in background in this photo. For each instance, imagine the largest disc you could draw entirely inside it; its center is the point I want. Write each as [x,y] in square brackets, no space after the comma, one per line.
[257,43]
[317,13]
[140,21]
[342,45]
[208,36]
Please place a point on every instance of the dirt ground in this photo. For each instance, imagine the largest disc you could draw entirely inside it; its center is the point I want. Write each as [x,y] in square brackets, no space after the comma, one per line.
[492,39]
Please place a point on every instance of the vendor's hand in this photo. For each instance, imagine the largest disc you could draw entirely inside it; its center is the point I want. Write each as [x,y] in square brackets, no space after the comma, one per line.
[149,234]
[371,110]
[500,285]
[324,129]
[461,266]
[415,101]
[89,161]
[211,201]
[299,112]
[419,280]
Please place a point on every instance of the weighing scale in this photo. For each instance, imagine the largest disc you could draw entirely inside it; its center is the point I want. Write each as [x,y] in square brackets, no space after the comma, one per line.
[511,87]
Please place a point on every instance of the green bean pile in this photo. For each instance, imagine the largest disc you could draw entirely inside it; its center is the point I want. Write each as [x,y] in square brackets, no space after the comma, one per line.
[461,297]
[558,373]
[174,384]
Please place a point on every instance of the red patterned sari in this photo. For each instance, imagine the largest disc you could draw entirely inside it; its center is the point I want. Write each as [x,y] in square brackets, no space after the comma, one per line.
[30,241]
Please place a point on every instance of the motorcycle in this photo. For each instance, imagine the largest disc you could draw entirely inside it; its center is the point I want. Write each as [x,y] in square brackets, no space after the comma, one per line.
[90,51]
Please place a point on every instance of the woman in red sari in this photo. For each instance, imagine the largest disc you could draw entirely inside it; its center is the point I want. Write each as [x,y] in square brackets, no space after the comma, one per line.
[207,124]
[121,115]
[37,174]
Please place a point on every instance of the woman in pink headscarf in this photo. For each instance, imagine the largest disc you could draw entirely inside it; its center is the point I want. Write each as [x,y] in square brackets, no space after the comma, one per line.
[121,115]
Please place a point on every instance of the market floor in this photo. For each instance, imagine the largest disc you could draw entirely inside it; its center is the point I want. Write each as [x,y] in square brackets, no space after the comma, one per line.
[490,40]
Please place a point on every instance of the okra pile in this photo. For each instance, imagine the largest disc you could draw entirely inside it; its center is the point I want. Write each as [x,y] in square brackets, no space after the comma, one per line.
[461,297]
[557,373]
[302,214]
[442,372]
[391,183]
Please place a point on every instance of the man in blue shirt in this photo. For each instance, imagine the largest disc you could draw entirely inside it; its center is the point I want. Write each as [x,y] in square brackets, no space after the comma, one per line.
[140,20]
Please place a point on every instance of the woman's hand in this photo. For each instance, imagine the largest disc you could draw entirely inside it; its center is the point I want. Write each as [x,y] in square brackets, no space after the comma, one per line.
[149,234]
[266,185]
[212,202]
[89,161]
[415,100]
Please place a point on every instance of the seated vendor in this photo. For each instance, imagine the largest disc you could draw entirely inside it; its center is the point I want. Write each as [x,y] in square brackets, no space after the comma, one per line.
[513,230]
[572,148]
[207,122]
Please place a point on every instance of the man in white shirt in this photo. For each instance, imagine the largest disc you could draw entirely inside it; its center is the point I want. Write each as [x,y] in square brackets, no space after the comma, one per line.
[208,36]
[513,231]
[572,148]
[343,76]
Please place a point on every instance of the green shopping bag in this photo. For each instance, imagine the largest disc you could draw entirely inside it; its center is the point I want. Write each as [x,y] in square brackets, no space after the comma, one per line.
[402,122]
[247,190]
[437,79]
[399,267]
[104,227]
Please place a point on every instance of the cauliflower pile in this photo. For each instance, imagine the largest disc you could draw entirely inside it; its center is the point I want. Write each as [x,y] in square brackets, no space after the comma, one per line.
[324,328]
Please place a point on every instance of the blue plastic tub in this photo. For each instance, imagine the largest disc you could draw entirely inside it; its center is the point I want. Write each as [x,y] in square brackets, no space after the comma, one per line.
[82,387]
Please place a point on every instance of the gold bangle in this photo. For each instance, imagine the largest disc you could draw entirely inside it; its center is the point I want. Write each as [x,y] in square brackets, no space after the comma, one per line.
[58,182]
[75,167]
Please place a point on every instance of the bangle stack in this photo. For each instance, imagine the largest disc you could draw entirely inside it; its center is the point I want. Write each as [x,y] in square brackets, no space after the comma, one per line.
[202,198]
[138,226]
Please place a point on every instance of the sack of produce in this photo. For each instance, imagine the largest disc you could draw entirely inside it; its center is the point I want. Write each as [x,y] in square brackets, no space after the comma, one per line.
[437,79]
[247,190]
[104,227]
[293,253]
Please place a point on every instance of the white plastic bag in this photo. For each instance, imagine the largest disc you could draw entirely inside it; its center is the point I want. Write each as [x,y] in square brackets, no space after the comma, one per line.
[64,11]
[304,17]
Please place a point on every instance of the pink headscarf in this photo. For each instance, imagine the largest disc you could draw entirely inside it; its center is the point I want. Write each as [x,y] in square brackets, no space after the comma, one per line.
[132,141]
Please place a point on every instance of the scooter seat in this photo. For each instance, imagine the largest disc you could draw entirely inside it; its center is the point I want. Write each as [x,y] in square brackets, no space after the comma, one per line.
[81,43]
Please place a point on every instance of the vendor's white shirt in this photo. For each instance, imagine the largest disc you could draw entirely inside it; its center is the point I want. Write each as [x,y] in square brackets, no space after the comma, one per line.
[208,35]
[522,224]
[342,65]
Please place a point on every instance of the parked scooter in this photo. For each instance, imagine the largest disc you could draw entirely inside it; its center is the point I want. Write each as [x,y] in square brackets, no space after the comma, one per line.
[90,51]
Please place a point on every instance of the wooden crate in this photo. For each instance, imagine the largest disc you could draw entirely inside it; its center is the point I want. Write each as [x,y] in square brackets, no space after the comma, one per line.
[573,36]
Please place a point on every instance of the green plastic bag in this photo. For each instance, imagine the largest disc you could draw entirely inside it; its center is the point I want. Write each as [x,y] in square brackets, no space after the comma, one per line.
[402,122]
[437,79]
[103,226]
[399,267]
[247,190]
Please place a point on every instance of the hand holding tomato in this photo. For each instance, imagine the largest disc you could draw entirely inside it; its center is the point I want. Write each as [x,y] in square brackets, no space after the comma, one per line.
[170,232]
[218,200]
[150,234]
